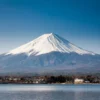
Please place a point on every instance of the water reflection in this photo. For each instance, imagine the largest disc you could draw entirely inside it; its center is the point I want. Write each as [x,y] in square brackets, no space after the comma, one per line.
[49,92]
[74,88]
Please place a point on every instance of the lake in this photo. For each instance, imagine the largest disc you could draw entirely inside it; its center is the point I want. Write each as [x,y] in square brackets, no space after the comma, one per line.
[49,92]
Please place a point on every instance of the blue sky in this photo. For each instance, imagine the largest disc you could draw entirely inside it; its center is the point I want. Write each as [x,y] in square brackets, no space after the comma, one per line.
[76,20]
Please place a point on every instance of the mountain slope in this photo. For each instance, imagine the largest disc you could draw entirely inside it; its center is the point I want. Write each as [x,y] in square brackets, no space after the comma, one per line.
[49,53]
[48,43]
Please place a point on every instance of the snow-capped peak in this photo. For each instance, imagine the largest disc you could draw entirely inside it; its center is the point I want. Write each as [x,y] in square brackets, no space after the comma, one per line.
[48,43]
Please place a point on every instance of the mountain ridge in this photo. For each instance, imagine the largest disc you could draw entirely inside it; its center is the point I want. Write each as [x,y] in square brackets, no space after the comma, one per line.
[49,43]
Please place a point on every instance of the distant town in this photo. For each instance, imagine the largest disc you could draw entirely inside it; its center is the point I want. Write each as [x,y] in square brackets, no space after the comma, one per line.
[86,79]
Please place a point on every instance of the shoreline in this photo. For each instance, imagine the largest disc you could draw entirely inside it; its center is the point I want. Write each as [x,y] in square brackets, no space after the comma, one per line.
[49,84]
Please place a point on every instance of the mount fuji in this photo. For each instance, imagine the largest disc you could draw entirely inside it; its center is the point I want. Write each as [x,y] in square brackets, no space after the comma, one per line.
[49,53]
[48,43]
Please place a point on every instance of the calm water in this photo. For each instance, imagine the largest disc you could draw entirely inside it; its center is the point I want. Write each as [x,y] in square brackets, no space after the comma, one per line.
[49,92]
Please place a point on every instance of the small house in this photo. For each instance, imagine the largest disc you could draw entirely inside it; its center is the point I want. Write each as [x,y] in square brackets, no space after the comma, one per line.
[78,81]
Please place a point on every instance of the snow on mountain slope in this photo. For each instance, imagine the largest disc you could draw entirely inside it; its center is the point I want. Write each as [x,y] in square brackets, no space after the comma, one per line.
[48,43]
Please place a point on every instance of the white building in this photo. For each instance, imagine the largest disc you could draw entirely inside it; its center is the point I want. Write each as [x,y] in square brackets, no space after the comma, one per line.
[78,81]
